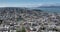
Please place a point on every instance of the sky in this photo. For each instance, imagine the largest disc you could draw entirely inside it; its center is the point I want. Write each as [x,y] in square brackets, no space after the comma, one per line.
[28,3]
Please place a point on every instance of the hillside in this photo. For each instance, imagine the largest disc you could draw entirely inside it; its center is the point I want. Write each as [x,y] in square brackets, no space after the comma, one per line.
[12,12]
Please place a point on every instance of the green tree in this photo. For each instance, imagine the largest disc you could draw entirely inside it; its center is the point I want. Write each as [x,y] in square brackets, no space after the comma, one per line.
[23,29]
[17,30]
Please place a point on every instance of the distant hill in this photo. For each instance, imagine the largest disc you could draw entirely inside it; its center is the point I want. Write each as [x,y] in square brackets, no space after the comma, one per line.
[13,10]
[49,7]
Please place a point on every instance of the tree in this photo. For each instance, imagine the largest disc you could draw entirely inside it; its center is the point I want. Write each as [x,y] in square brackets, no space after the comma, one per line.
[23,29]
[17,30]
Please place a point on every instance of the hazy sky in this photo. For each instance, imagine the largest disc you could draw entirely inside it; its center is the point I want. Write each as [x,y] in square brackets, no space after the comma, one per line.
[27,3]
